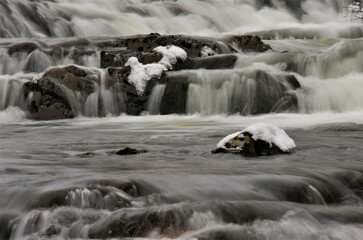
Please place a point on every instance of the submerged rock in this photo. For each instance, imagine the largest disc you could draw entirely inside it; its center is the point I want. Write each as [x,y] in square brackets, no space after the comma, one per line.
[259,139]
[130,151]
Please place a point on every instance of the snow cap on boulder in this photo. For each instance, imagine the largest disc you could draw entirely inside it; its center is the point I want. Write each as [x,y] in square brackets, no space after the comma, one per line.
[269,133]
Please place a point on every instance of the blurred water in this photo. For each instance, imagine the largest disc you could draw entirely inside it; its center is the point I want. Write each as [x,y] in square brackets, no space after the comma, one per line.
[62,180]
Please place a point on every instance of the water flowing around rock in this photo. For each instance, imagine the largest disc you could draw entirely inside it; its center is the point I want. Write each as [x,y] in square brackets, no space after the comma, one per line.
[109,111]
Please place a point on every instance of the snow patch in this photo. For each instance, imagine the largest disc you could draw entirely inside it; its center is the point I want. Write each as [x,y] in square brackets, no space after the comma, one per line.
[171,54]
[140,74]
[224,141]
[206,52]
[271,134]
[266,132]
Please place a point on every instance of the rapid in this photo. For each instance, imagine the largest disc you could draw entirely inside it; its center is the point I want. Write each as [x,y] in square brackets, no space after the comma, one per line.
[59,179]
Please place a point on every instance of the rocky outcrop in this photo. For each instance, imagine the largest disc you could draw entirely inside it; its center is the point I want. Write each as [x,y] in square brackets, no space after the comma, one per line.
[49,97]
[117,52]
[65,92]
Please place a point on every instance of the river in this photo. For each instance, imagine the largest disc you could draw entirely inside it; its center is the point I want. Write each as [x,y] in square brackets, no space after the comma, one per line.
[60,179]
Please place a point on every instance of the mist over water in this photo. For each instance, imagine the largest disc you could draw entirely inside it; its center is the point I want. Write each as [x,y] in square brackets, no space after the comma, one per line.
[60,179]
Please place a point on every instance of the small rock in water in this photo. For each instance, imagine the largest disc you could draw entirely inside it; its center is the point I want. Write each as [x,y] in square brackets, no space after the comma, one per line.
[86,154]
[130,151]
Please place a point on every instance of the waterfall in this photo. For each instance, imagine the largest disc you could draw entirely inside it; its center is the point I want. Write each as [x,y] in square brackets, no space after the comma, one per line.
[11,91]
[155,99]
[310,68]
[97,18]
[242,91]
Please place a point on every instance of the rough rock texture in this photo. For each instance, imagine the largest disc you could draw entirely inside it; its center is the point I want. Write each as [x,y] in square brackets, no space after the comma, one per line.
[47,97]
[119,50]
[112,57]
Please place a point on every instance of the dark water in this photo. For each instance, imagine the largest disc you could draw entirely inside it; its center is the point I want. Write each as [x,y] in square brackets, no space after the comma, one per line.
[61,179]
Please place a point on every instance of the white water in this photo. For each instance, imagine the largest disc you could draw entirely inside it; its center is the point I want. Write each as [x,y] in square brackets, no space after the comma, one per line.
[97,18]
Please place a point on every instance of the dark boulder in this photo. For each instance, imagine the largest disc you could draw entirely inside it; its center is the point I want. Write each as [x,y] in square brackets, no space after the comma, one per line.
[254,148]
[174,99]
[130,151]
[224,61]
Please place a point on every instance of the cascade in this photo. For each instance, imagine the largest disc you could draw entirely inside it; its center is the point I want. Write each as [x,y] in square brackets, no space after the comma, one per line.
[298,75]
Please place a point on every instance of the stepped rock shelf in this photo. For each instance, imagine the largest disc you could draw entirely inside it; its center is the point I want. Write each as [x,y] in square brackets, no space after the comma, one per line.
[72,90]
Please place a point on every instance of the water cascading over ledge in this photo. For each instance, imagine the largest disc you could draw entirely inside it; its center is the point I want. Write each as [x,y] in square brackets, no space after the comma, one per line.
[230,81]
[69,91]
[186,92]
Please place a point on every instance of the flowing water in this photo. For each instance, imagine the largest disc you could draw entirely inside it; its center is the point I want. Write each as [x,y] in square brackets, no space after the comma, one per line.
[60,179]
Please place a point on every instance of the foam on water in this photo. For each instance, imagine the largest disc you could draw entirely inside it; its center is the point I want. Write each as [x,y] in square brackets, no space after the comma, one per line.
[12,115]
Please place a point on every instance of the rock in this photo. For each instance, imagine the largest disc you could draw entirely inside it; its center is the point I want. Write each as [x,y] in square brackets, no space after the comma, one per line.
[248,43]
[49,97]
[174,99]
[23,47]
[86,154]
[254,148]
[117,57]
[130,151]
[134,103]
[225,61]
[99,195]
[115,53]
[52,230]
[65,92]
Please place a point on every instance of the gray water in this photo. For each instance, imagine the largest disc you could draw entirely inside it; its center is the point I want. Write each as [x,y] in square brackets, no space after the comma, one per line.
[46,182]
[61,179]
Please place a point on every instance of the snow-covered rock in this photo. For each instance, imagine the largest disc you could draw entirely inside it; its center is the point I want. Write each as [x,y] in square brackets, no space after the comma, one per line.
[257,139]
[206,52]
[171,54]
[140,74]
